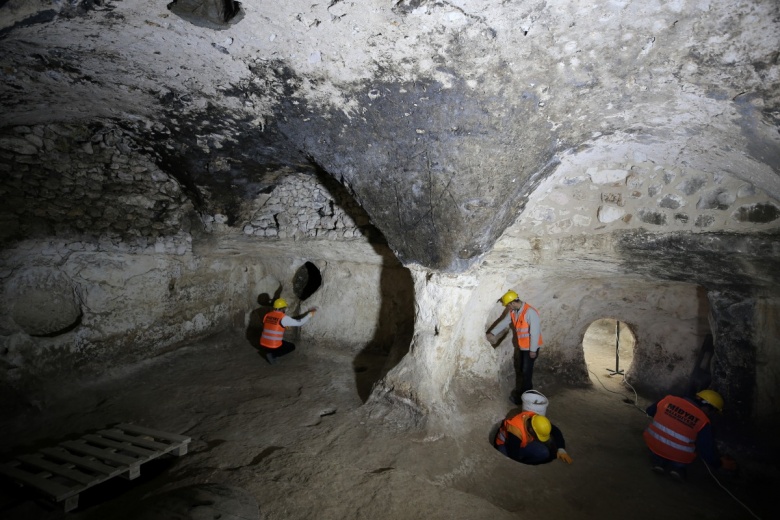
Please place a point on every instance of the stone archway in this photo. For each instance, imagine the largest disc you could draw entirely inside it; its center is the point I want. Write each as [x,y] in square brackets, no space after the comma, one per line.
[608,348]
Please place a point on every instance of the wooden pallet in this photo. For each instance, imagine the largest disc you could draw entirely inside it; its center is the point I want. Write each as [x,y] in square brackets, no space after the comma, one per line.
[63,472]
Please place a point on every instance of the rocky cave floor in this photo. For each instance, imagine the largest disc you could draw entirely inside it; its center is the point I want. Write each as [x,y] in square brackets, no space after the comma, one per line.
[293,441]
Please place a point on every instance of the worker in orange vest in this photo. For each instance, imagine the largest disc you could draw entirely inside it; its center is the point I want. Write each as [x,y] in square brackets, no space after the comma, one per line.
[531,438]
[527,338]
[272,340]
[680,430]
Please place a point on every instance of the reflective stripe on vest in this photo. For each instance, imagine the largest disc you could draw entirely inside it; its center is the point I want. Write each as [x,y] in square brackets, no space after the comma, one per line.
[522,328]
[273,331]
[672,433]
[689,443]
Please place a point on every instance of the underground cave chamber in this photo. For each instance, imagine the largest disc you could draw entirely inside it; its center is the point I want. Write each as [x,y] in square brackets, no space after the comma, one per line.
[168,169]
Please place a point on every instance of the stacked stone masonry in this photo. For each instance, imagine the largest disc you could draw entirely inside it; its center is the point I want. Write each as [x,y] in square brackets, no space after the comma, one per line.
[648,196]
[70,180]
[61,180]
[302,207]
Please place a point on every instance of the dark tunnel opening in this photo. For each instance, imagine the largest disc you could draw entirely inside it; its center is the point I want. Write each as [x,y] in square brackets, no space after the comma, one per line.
[306,281]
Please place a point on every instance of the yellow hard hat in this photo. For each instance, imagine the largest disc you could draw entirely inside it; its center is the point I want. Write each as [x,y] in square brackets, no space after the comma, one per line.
[712,398]
[279,303]
[542,427]
[510,296]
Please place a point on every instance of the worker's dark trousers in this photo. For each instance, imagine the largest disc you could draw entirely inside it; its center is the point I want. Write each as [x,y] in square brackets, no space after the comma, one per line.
[286,348]
[524,372]
[669,465]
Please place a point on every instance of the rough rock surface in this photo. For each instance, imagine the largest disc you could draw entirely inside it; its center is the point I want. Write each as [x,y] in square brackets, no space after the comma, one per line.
[165,172]
[442,117]
[44,303]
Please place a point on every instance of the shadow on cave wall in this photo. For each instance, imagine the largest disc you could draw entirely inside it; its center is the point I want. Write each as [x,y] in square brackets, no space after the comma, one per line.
[394,329]
[255,327]
[212,14]
[395,319]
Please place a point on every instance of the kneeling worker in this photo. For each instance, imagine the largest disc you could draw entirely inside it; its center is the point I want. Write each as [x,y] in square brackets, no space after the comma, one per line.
[274,323]
[681,429]
[531,438]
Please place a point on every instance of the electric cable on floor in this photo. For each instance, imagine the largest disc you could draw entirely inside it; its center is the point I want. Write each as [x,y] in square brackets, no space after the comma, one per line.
[729,492]
[636,399]
[636,396]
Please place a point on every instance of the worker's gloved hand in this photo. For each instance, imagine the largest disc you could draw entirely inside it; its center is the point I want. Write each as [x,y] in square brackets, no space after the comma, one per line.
[313,310]
[562,455]
[727,463]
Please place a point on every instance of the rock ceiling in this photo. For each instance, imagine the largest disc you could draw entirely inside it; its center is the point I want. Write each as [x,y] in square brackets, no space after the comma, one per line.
[440,117]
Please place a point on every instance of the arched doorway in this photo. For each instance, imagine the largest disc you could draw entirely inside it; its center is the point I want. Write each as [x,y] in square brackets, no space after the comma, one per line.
[608,346]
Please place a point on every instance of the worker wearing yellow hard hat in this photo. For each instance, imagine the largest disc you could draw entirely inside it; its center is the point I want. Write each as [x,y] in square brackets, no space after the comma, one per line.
[681,430]
[272,342]
[527,339]
[531,438]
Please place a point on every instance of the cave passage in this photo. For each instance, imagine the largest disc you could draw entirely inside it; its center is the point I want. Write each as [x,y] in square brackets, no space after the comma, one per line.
[608,346]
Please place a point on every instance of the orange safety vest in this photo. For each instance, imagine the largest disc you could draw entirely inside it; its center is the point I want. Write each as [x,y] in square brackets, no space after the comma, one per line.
[273,332]
[522,330]
[676,424]
[515,426]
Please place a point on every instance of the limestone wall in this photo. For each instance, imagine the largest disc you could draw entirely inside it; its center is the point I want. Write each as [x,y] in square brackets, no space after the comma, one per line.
[77,310]
[564,256]
[767,330]
[363,303]
[109,260]
[69,179]
[629,195]
[361,306]
[148,273]
[668,320]
[69,306]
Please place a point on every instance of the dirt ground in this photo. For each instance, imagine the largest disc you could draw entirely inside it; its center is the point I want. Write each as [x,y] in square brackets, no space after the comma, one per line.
[294,441]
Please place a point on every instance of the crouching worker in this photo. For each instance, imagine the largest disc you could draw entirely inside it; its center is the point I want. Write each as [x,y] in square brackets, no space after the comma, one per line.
[272,341]
[531,438]
[681,429]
